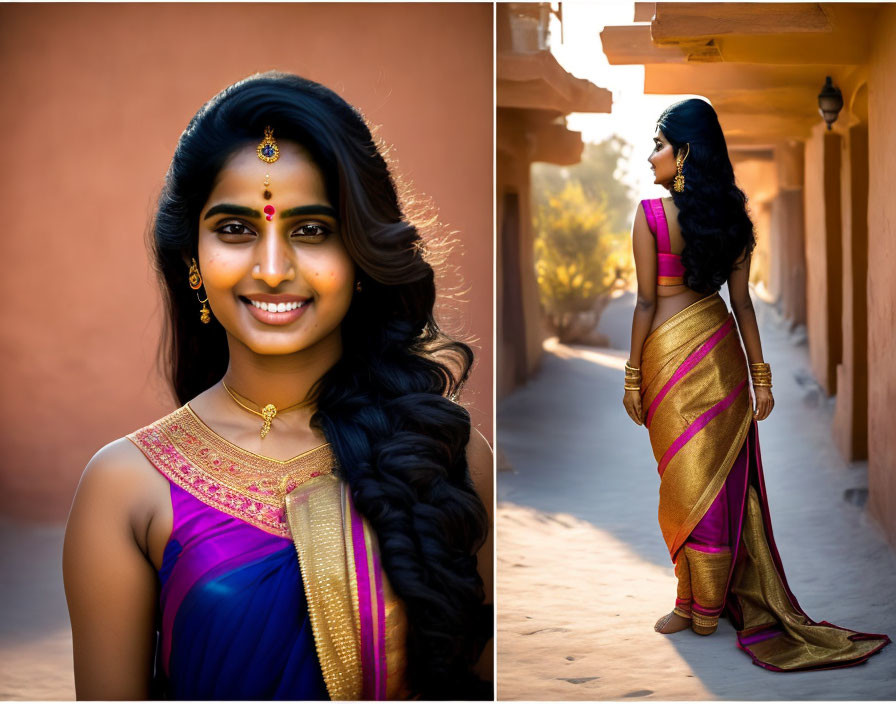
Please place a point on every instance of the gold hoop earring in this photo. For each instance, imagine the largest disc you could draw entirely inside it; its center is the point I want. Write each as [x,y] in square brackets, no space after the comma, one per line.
[195,278]
[205,315]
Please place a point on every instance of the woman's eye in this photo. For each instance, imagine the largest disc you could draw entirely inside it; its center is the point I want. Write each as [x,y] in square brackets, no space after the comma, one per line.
[234,228]
[312,231]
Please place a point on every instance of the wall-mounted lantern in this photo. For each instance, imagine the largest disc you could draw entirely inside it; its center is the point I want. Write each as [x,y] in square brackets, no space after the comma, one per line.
[830,102]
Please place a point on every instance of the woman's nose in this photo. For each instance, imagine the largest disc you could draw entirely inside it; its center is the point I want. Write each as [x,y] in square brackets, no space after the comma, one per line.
[274,264]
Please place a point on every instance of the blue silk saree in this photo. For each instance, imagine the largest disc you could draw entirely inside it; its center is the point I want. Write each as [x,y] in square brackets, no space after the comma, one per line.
[271,585]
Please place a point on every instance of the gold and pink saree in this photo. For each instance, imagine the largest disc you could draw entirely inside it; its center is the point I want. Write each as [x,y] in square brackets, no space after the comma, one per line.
[271,585]
[360,626]
[713,510]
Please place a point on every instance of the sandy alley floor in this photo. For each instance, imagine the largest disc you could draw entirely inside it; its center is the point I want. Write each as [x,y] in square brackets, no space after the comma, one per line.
[35,635]
[583,572]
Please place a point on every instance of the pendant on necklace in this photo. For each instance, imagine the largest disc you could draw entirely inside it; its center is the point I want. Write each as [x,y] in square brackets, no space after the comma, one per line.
[268,413]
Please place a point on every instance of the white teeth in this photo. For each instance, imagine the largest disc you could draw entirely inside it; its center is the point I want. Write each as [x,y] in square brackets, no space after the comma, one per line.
[277,307]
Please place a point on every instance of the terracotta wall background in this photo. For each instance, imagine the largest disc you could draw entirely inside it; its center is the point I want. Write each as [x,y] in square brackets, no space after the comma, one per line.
[95,98]
[881,279]
[823,254]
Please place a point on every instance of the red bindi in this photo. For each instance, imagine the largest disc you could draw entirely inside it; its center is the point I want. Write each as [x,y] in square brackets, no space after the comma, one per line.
[269,211]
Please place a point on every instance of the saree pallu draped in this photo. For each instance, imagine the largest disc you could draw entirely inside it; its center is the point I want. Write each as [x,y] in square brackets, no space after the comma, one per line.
[271,585]
[713,510]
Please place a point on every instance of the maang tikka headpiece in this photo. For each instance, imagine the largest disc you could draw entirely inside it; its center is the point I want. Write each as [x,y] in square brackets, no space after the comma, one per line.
[268,151]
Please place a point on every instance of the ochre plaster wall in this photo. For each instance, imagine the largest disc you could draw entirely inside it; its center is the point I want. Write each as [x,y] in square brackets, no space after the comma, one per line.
[823,254]
[881,278]
[788,277]
[94,99]
[851,412]
[758,179]
[513,176]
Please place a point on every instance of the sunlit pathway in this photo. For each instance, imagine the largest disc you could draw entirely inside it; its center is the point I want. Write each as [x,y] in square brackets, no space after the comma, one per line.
[583,572]
[35,635]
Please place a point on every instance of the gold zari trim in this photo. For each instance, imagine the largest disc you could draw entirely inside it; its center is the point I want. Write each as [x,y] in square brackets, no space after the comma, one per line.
[764,601]
[224,476]
[320,518]
[708,580]
[315,514]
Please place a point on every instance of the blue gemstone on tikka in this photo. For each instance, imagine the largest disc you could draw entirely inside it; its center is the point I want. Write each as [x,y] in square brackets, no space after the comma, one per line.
[268,150]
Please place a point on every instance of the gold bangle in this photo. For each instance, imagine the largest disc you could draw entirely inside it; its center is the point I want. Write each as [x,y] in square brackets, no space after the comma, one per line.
[631,388]
[631,368]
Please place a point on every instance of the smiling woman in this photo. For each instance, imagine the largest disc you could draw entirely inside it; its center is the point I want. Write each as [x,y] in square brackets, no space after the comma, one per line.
[284,278]
[318,422]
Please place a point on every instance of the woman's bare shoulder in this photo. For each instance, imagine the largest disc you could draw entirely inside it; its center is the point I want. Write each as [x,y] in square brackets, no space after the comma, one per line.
[119,462]
[120,478]
[123,462]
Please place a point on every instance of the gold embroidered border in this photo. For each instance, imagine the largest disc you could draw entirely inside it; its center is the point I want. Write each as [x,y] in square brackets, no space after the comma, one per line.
[224,476]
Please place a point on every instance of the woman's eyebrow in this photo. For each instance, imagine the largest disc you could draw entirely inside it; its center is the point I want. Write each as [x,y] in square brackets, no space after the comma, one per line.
[229,209]
[317,209]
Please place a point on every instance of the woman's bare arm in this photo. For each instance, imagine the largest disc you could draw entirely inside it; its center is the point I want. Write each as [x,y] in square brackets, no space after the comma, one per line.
[745,314]
[481,464]
[644,247]
[742,307]
[110,585]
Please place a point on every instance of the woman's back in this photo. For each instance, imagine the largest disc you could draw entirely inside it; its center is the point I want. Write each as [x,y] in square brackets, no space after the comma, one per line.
[671,297]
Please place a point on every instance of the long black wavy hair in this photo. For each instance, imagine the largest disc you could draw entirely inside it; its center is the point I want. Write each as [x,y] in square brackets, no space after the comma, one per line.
[385,407]
[712,210]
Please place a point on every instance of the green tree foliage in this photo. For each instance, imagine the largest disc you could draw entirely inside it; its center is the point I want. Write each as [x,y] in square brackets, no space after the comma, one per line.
[582,243]
[600,172]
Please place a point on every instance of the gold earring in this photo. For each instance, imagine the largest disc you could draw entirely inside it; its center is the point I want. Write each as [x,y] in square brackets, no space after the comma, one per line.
[358,286]
[195,277]
[678,183]
[205,315]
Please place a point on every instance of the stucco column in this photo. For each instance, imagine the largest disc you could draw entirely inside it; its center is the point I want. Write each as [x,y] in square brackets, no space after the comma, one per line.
[518,314]
[881,295]
[823,255]
[788,242]
[851,411]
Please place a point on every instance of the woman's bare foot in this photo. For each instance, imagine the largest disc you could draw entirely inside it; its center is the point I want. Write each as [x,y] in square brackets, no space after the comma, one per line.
[672,623]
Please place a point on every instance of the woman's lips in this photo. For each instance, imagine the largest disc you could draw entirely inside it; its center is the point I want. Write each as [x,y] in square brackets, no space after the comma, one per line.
[271,317]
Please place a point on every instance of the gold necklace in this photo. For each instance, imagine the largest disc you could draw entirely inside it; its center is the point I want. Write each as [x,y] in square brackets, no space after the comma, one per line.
[268,412]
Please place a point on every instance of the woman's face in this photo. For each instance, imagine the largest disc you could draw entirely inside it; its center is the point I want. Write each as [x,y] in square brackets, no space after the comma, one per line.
[283,254]
[662,160]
